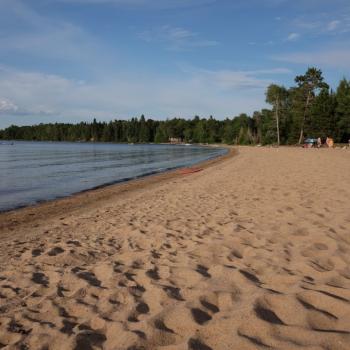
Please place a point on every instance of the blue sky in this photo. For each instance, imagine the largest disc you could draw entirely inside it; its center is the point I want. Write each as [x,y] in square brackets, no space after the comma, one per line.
[73,60]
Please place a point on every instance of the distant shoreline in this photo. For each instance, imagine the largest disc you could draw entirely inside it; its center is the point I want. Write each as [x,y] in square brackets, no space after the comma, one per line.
[117,180]
[44,209]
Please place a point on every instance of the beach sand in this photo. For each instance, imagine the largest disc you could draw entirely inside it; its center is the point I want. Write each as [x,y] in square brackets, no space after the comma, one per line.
[253,252]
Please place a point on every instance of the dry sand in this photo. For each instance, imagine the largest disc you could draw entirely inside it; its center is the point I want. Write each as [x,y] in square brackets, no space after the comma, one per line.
[251,253]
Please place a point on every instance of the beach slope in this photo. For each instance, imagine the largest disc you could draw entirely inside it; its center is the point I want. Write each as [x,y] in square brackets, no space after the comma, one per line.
[250,253]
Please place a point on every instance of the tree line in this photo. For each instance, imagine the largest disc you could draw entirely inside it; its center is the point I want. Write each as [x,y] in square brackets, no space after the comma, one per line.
[308,109]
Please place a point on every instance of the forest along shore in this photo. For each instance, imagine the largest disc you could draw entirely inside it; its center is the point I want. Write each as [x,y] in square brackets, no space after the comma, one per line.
[252,252]
[309,109]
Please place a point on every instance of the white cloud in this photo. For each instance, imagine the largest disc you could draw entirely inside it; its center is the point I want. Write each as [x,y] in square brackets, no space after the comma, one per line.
[60,41]
[7,106]
[39,37]
[44,98]
[148,4]
[176,38]
[293,37]
[319,24]
[272,71]
[333,25]
[329,57]
[230,80]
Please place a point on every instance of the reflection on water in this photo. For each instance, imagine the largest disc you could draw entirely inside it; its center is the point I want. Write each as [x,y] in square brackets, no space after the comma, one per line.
[38,171]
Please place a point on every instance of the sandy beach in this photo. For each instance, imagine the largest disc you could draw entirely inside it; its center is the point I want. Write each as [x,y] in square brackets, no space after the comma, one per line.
[253,252]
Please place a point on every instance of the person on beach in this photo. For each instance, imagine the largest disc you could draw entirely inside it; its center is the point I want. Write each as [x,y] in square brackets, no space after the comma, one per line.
[319,142]
[329,142]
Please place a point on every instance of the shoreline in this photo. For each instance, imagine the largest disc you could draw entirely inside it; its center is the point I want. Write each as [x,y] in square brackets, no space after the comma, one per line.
[12,218]
[254,248]
[123,180]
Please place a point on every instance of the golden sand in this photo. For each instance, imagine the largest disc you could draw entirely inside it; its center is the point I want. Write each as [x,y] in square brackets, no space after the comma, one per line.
[251,253]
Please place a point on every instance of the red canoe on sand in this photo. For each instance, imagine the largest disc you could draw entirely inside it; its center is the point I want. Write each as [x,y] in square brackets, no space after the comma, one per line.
[186,171]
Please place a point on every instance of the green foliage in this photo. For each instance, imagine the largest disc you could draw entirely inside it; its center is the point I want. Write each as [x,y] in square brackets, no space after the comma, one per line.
[308,109]
[308,85]
[161,135]
[342,112]
[277,96]
[322,115]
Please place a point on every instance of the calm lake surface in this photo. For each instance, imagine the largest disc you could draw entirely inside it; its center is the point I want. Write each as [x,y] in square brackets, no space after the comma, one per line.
[31,172]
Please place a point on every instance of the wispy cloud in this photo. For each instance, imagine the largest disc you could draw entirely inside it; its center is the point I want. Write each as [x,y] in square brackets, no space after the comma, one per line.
[272,71]
[47,42]
[333,25]
[42,97]
[146,4]
[7,106]
[176,38]
[232,80]
[41,38]
[293,37]
[330,57]
[317,24]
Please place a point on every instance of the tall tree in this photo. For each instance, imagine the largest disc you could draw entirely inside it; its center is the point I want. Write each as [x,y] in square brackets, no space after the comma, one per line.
[276,96]
[343,110]
[309,84]
[322,115]
[144,131]
[161,135]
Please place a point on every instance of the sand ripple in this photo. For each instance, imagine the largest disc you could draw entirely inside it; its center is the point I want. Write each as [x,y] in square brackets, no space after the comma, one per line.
[253,253]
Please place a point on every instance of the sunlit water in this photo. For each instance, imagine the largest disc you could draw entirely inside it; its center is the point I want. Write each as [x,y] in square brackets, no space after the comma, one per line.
[31,172]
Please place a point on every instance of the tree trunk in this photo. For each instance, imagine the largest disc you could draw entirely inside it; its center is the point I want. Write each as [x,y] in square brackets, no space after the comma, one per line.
[301,137]
[277,122]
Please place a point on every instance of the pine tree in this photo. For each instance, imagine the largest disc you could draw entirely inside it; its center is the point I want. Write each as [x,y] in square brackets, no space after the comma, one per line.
[343,111]
[322,114]
[309,84]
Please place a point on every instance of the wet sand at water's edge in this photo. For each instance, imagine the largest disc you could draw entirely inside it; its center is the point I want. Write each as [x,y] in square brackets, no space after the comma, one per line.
[253,252]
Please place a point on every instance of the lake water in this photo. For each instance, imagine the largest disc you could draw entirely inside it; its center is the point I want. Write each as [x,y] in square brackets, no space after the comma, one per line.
[38,171]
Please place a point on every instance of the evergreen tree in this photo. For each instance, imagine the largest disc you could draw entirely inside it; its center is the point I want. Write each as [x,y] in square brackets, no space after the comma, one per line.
[322,115]
[343,111]
[309,109]
[144,132]
[161,135]
[309,84]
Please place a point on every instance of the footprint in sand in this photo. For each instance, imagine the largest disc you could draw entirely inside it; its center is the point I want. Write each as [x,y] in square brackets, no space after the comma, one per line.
[200,316]
[160,325]
[55,251]
[203,271]
[87,276]
[195,344]
[142,308]
[173,292]
[250,276]
[88,339]
[40,278]
[36,252]
[153,274]
[213,308]
[266,314]
[68,327]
